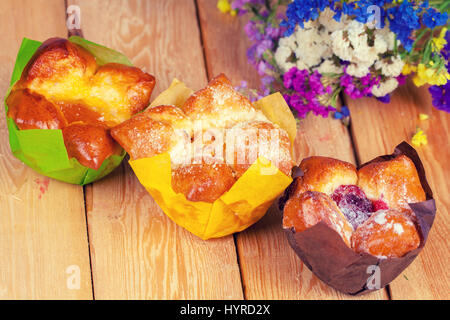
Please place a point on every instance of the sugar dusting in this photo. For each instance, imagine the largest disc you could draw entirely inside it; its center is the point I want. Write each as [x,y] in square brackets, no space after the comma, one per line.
[398,229]
[380,217]
[200,131]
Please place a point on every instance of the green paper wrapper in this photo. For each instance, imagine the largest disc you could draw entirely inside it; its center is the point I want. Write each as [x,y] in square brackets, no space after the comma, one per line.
[44,150]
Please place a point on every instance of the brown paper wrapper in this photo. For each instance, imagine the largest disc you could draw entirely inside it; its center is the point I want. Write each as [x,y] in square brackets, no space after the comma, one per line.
[324,252]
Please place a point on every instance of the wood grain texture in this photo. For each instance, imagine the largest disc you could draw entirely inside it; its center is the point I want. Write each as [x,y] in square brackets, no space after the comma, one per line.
[42,221]
[269,267]
[137,252]
[377,128]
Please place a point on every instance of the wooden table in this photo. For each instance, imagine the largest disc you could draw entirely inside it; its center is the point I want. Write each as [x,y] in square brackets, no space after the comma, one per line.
[113,235]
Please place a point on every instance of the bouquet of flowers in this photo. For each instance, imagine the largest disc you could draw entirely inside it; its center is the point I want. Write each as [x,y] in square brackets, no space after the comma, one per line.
[312,50]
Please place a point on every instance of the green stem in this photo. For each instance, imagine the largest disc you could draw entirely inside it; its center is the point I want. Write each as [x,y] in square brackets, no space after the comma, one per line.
[427,52]
[395,45]
[420,36]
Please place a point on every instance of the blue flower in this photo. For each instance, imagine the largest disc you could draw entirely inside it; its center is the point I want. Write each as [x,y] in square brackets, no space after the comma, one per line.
[404,19]
[408,17]
[344,113]
[300,11]
[364,10]
[433,18]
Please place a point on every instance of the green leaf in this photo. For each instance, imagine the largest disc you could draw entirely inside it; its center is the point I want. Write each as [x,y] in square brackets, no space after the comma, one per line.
[103,55]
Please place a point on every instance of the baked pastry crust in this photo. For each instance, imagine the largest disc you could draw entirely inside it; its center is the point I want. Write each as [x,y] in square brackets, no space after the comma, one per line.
[325,174]
[372,200]
[63,87]
[312,207]
[220,106]
[208,131]
[387,233]
[201,182]
[395,182]
[153,131]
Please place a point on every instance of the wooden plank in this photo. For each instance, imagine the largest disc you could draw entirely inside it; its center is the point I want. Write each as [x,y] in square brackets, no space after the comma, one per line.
[269,267]
[377,128]
[137,252]
[43,238]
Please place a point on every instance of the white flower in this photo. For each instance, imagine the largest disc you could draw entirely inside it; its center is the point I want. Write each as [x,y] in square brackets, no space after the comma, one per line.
[289,42]
[301,65]
[282,55]
[358,70]
[388,36]
[390,67]
[380,44]
[311,24]
[306,45]
[311,47]
[352,45]
[341,45]
[385,87]
[328,66]
[359,40]
[326,20]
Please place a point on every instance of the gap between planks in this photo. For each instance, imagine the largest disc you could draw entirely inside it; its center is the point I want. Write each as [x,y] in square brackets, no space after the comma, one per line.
[209,76]
[87,189]
[100,262]
[232,58]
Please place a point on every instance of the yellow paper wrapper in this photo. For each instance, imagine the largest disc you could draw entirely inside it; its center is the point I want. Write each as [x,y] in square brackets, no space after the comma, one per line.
[277,110]
[245,203]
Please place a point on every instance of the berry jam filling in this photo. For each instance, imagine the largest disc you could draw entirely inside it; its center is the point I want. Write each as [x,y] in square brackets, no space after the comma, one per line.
[353,203]
[379,205]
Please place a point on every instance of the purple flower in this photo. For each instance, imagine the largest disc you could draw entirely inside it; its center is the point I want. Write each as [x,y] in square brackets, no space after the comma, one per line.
[401,79]
[262,47]
[251,54]
[446,50]
[262,67]
[385,99]
[252,31]
[441,96]
[306,89]
[267,80]
[242,5]
[358,87]
[243,85]
[315,84]
[274,33]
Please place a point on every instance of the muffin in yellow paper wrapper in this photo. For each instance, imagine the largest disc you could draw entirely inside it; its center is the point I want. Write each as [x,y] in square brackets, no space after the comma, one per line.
[247,200]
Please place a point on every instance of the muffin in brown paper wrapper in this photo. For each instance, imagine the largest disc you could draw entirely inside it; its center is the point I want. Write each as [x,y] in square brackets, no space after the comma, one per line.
[324,252]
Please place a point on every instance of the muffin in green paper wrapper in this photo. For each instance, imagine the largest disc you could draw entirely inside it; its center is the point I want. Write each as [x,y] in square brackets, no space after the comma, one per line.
[64,96]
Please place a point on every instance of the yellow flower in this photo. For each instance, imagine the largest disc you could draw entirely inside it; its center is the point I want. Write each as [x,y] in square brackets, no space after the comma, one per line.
[409,68]
[224,6]
[419,138]
[440,41]
[429,75]
[423,116]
